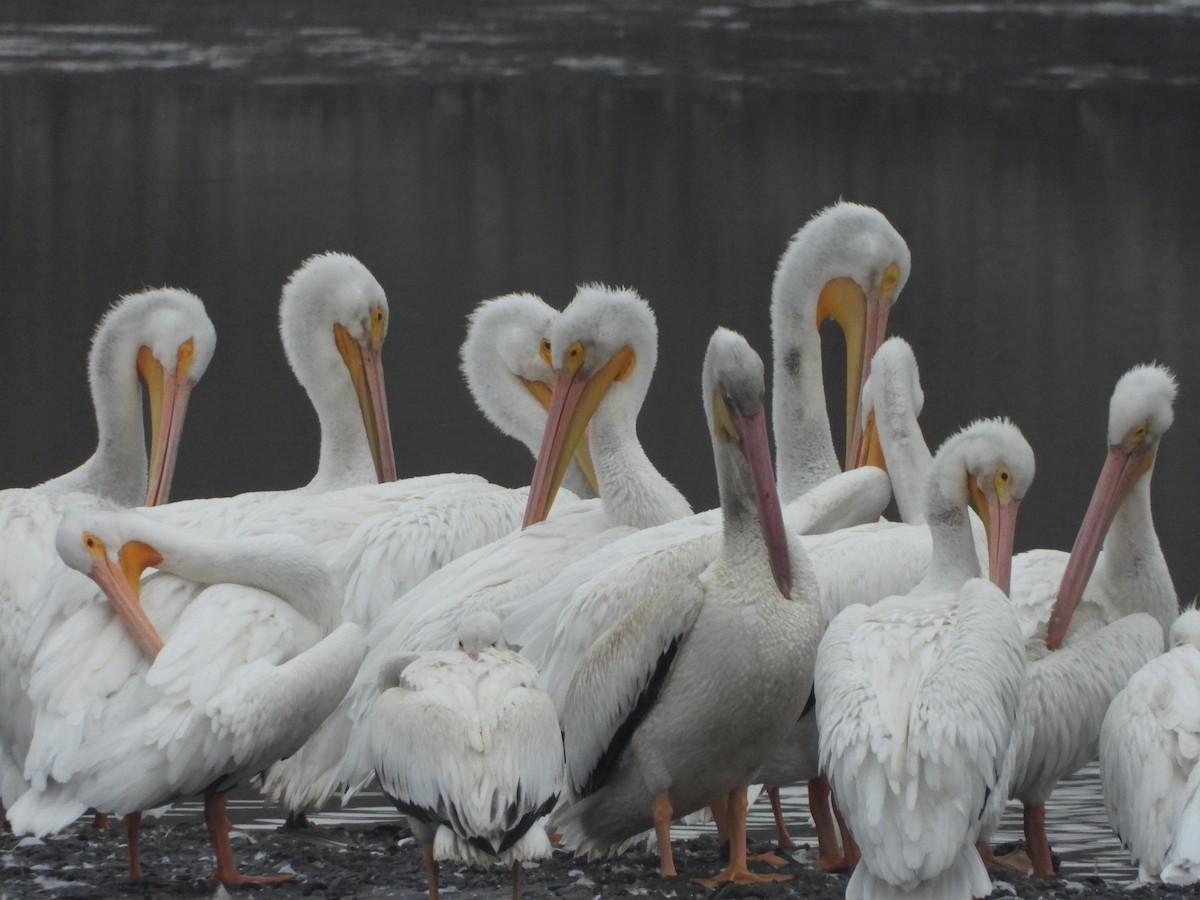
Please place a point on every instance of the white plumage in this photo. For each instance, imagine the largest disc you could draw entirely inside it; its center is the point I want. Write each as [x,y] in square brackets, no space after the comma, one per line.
[469,748]
[165,338]
[1149,750]
[1123,602]
[917,695]
[604,383]
[676,705]
[253,661]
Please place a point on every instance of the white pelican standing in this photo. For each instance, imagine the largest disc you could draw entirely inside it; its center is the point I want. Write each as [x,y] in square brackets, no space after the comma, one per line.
[164,338]
[1150,760]
[604,347]
[891,401]
[254,659]
[1105,641]
[917,695]
[467,746]
[680,701]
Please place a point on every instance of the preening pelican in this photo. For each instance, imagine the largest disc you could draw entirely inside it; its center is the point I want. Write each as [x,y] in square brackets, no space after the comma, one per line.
[164,338]
[604,347]
[1149,751]
[505,365]
[892,399]
[333,318]
[1105,641]
[250,666]
[847,263]
[468,747]
[680,701]
[917,695]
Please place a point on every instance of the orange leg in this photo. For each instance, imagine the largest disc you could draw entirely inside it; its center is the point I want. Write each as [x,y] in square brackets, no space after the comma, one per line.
[217,820]
[516,870]
[133,822]
[100,821]
[820,805]
[1036,841]
[663,813]
[850,852]
[431,870]
[737,871]
[785,839]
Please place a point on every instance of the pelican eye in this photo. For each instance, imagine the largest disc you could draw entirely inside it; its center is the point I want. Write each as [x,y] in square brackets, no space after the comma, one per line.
[544,352]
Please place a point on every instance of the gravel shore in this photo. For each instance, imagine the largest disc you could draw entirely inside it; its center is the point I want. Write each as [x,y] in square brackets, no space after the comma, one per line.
[383,861]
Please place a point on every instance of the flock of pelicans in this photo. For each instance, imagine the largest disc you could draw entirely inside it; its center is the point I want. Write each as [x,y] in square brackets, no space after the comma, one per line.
[915,674]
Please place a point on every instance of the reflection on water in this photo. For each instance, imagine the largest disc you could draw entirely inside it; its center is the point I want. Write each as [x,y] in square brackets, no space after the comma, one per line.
[1075,822]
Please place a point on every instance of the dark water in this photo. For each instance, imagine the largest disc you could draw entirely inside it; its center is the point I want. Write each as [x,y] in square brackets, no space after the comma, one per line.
[1041,159]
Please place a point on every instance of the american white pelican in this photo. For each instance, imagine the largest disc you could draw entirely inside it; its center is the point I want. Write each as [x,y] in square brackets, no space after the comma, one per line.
[604,347]
[333,318]
[1104,643]
[1150,760]
[251,665]
[847,263]
[917,695]
[680,701]
[892,399]
[467,746]
[506,366]
[164,338]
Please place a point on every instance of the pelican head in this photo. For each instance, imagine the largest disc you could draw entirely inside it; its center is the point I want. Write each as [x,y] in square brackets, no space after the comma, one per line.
[101,545]
[847,264]
[171,339]
[505,360]
[333,318]
[734,388]
[990,463]
[603,349]
[1139,414]
[480,631]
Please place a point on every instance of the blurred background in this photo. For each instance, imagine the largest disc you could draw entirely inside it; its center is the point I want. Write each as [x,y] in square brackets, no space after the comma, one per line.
[1041,159]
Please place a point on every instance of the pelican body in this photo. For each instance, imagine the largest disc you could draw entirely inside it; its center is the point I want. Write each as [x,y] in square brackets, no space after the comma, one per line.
[253,660]
[161,339]
[680,701]
[917,695]
[469,748]
[1149,755]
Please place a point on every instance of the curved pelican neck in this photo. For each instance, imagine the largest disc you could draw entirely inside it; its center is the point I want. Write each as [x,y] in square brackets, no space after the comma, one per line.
[1132,560]
[345,458]
[117,470]
[276,564]
[632,491]
[803,441]
[906,452]
[953,560]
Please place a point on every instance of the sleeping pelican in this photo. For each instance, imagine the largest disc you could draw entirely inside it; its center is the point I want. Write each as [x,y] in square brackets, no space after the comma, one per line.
[1149,755]
[661,719]
[252,662]
[917,695]
[164,338]
[1106,640]
[468,747]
